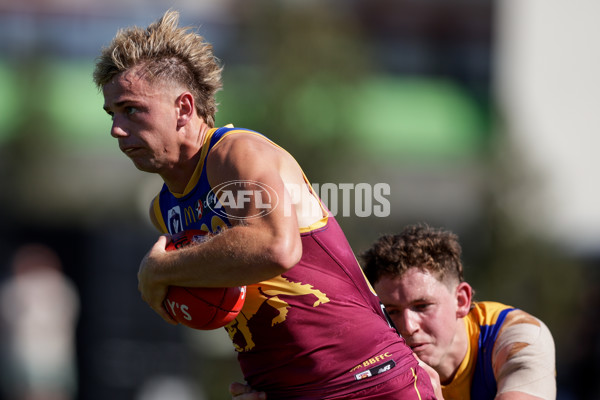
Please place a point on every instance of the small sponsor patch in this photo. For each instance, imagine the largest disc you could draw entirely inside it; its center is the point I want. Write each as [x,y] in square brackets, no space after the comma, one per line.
[379,369]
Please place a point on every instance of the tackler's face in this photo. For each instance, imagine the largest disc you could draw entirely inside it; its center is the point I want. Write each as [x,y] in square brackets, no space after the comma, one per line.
[144,120]
[424,311]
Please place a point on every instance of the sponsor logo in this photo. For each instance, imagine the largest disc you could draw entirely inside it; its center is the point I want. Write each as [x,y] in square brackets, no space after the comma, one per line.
[363,375]
[380,369]
[176,307]
[199,209]
[190,215]
[383,369]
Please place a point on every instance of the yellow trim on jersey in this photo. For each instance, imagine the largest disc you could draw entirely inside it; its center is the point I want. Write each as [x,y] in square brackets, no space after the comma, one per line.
[460,386]
[482,313]
[323,221]
[315,225]
[159,218]
[415,383]
[198,171]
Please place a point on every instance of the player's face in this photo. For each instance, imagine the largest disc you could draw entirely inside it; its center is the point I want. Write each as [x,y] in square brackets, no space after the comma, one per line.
[144,120]
[425,312]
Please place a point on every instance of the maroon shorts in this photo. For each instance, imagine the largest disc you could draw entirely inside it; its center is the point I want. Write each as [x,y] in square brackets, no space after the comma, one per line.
[412,385]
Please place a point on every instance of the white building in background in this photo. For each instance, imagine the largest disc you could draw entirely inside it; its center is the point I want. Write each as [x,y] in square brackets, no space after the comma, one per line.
[547,87]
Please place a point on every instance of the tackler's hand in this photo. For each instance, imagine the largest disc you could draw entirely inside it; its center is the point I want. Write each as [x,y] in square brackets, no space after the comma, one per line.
[239,391]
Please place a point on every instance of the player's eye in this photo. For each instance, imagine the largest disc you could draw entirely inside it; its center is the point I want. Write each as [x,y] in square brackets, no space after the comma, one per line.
[421,307]
[130,110]
[111,115]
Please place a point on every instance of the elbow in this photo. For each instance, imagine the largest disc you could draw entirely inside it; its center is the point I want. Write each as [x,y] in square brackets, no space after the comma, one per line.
[286,253]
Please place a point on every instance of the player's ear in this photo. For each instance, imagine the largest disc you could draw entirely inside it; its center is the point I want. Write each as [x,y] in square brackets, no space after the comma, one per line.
[464,295]
[185,108]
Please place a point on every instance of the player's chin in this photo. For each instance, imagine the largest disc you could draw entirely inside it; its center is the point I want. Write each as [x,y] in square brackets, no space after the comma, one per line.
[145,165]
[422,353]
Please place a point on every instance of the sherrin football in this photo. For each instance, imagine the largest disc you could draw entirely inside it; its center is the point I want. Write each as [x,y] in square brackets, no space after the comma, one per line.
[201,308]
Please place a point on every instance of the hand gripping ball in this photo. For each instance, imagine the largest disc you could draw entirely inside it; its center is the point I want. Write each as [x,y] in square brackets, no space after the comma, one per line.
[199,307]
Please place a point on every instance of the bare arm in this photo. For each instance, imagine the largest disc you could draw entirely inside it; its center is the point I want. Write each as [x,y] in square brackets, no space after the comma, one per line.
[523,359]
[253,249]
[510,396]
[239,391]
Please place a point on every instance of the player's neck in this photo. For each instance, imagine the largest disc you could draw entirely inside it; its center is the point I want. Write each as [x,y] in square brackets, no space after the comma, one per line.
[178,176]
[447,370]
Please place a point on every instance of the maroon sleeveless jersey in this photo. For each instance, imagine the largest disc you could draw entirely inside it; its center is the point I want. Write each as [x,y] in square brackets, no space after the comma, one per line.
[317,330]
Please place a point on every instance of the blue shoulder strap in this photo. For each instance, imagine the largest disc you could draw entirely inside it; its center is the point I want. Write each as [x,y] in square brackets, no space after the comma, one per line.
[484,383]
[218,135]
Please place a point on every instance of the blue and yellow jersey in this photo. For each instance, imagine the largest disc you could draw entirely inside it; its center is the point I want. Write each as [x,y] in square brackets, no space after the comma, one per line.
[196,207]
[474,378]
[509,351]
[318,329]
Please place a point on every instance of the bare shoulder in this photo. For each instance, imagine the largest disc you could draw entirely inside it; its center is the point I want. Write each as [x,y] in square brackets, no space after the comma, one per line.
[248,155]
[524,358]
[246,144]
[521,329]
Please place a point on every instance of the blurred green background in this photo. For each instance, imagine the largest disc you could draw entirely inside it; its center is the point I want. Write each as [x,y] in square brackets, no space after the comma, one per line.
[433,98]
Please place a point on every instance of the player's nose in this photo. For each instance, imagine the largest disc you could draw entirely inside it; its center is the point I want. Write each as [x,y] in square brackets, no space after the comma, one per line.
[117,130]
[407,324]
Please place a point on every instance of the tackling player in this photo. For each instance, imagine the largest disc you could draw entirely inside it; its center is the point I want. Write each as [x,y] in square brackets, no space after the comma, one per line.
[480,350]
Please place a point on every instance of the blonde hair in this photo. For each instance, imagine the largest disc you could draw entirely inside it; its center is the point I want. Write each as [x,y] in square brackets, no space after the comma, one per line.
[169,53]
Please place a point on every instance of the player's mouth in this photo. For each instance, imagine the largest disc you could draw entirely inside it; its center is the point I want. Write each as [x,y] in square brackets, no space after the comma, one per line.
[417,346]
[130,150]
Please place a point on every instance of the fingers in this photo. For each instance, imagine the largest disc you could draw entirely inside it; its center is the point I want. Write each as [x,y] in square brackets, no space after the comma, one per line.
[151,291]
[239,391]
[166,316]
[162,242]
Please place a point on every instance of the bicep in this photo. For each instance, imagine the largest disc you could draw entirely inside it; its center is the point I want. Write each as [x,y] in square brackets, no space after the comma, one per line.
[245,173]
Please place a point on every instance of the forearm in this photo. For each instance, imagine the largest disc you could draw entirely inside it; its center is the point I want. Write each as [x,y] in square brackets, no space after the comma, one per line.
[238,256]
[517,396]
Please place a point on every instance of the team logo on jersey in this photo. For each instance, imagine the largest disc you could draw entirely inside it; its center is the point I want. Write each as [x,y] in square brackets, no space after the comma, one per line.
[211,200]
[175,221]
[199,209]
[276,298]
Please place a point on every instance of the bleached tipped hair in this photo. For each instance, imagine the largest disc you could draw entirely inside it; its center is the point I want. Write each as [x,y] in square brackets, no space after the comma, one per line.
[167,53]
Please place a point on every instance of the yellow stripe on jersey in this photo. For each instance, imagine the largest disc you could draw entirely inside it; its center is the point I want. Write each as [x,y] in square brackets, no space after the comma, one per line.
[158,215]
[198,171]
